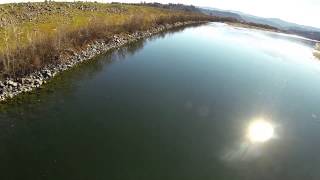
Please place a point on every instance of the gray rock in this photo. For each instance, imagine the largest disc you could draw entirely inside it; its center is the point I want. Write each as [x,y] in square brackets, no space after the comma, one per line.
[12,84]
[46,73]
[37,82]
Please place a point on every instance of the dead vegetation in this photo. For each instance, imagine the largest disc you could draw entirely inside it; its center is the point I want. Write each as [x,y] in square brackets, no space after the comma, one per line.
[33,44]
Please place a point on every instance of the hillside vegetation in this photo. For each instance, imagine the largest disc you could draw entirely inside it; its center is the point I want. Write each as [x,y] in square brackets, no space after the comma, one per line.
[35,34]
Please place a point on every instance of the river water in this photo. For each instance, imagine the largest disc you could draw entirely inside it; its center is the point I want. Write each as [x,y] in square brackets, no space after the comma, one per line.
[175,106]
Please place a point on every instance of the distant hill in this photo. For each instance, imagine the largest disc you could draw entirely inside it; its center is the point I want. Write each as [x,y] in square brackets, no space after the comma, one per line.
[276,22]
[219,13]
[305,31]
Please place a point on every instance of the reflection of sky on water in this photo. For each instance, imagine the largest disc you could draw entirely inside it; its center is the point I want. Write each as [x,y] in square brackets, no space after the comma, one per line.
[285,48]
[294,69]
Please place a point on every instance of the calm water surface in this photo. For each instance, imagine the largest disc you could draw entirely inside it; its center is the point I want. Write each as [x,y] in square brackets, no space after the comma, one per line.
[176,106]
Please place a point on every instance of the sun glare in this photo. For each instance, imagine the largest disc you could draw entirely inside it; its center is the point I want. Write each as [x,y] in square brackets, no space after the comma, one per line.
[260,131]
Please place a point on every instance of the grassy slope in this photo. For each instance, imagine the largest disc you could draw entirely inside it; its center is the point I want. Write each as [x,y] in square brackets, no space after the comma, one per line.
[23,21]
[32,34]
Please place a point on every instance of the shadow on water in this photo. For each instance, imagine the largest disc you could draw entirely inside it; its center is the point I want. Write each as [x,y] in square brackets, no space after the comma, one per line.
[66,83]
[22,117]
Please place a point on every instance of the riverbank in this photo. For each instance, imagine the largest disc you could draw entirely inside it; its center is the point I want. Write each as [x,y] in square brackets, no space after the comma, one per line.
[40,40]
[254,26]
[33,35]
[12,87]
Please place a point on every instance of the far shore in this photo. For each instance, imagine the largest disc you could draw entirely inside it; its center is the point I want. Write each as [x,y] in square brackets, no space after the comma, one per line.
[316,52]
[254,26]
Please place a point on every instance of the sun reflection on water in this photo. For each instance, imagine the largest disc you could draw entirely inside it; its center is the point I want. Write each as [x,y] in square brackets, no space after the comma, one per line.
[260,131]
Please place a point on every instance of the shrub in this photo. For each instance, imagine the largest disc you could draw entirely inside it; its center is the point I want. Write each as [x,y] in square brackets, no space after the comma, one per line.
[134,23]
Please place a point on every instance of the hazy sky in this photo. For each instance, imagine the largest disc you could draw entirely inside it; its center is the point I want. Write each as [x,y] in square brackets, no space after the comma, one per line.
[306,12]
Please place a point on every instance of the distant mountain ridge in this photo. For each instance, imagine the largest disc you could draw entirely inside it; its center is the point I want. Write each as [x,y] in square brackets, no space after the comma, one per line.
[275,22]
[221,13]
[289,27]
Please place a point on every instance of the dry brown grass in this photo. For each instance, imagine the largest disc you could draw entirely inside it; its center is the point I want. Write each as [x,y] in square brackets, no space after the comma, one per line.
[28,46]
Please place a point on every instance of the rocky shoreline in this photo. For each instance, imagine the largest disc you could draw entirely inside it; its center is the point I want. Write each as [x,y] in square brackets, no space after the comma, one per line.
[12,87]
